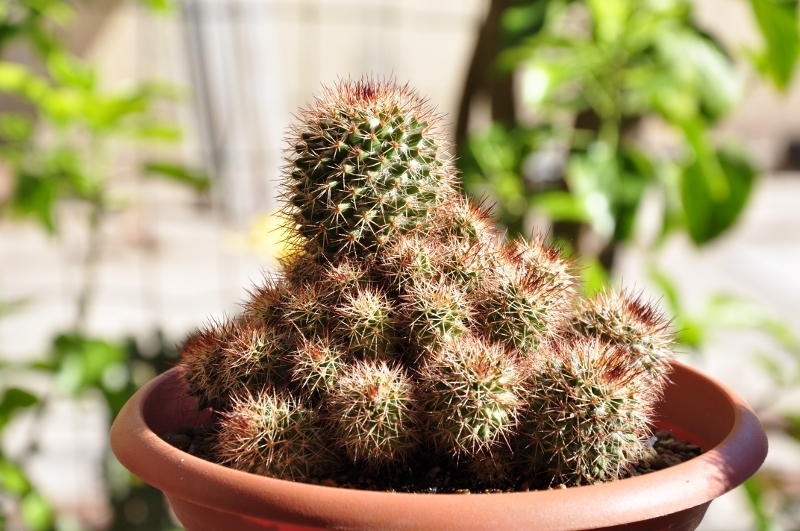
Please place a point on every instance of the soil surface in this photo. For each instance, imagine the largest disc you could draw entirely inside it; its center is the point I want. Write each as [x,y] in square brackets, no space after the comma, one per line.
[663,450]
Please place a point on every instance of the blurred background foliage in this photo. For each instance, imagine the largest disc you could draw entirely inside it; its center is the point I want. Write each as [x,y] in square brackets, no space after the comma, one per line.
[600,110]
[56,148]
[614,109]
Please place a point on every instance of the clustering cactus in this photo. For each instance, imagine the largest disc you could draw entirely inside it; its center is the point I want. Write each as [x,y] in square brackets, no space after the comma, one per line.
[405,330]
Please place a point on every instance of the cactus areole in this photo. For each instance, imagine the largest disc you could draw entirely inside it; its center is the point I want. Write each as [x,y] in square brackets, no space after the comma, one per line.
[406,346]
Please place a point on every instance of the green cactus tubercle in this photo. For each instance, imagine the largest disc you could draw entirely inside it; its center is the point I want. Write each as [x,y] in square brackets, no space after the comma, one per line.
[473,397]
[375,415]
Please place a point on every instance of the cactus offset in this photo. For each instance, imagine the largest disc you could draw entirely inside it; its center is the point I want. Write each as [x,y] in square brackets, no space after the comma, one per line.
[375,415]
[588,419]
[523,307]
[273,435]
[402,332]
[204,356]
[628,322]
[434,314]
[365,322]
[316,365]
[473,396]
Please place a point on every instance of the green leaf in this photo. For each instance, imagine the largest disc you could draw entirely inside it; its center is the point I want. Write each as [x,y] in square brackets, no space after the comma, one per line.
[159,6]
[198,180]
[12,77]
[58,11]
[697,75]
[15,126]
[109,112]
[706,163]
[19,80]
[13,478]
[667,287]
[491,163]
[36,512]
[636,173]
[736,313]
[162,132]
[593,179]
[778,22]
[13,400]
[35,195]
[689,332]
[520,21]
[68,71]
[559,205]
[755,490]
[81,363]
[708,214]
[792,428]
[610,18]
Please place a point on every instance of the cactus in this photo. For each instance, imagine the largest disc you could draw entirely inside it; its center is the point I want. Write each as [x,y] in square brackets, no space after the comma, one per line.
[403,332]
[587,419]
[628,322]
[205,358]
[368,162]
[521,310]
[468,223]
[273,435]
[366,325]
[434,314]
[316,365]
[473,397]
[375,415]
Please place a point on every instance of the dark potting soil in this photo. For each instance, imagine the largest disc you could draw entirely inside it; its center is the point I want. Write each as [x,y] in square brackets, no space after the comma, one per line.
[663,451]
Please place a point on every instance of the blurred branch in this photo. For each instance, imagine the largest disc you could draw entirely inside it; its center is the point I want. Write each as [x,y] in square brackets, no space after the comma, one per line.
[483,77]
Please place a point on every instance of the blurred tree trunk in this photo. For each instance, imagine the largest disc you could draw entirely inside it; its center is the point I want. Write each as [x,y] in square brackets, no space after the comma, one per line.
[483,78]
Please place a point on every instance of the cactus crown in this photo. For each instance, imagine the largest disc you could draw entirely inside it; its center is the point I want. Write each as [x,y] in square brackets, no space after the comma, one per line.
[404,330]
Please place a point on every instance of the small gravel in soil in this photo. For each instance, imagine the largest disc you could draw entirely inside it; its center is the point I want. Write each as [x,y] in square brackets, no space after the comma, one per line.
[663,451]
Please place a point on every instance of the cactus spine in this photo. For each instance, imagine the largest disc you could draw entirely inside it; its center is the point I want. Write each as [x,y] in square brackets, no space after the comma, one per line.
[404,330]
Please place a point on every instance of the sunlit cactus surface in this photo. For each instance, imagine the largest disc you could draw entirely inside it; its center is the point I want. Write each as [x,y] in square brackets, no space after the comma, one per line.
[406,333]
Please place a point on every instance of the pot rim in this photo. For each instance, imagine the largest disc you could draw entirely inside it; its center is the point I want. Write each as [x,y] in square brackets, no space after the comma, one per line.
[689,484]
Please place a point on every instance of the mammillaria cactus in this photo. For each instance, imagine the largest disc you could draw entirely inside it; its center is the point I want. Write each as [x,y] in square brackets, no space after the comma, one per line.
[404,332]
[368,162]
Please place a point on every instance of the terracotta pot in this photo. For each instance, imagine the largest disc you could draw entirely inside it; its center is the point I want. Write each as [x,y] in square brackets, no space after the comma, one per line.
[209,497]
